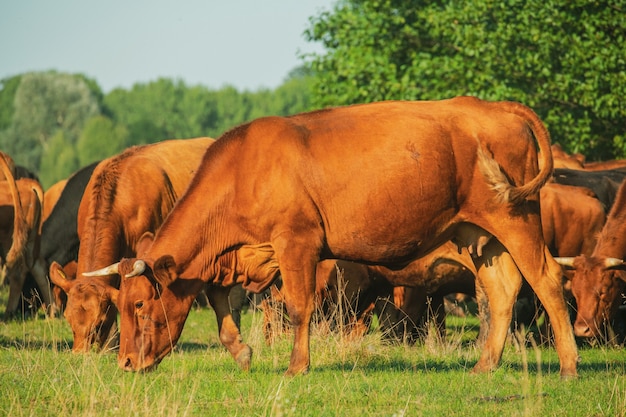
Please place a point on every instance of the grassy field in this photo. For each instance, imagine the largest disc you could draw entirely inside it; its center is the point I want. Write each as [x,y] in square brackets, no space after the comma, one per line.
[39,376]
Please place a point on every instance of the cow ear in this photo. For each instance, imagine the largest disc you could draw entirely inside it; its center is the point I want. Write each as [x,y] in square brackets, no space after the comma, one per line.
[59,278]
[144,242]
[111,293]
[164,270]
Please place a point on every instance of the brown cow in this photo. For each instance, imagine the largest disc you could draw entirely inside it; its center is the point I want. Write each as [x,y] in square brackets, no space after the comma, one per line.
[21,205]
[598,280]
[572,219]
[127,195]
[381,183]
[50,198]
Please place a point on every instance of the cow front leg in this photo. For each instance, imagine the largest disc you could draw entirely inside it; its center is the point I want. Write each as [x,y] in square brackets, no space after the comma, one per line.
[500,280]
[228,331]
[298,293]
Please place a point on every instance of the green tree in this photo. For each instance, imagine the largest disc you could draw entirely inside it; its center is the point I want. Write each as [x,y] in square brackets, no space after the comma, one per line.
[100,139]
[563,58]
[59,162]
[8,88]
[157,110]
[44,104]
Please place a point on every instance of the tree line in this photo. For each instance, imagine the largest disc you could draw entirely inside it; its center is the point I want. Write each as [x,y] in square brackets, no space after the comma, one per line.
[54,123]
[563,58]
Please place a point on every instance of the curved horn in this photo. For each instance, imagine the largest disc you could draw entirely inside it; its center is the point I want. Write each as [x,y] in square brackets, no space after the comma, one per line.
[565,261]
[111,269]
[138,267]
[612,262]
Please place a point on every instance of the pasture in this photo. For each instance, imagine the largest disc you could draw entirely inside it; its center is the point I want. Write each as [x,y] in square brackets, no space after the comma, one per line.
[364,377]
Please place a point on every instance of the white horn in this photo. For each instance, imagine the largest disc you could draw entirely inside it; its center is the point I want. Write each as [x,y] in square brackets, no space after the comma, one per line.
[612,262]
[565,261]
[111,269]
[138,267]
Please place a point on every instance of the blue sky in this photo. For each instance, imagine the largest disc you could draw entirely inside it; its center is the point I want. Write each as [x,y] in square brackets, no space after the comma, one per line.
[249,44]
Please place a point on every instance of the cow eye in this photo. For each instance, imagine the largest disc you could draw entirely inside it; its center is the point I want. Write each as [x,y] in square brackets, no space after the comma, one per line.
[138,304]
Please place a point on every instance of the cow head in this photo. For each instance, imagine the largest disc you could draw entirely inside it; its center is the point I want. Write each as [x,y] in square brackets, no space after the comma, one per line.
[89,310]
[153,305]
[596,285]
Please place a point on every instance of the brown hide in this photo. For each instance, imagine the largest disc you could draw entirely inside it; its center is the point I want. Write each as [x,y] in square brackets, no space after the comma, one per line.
[14,226]
[50,198]
[30,196]
[605,165]
[572,219]
[577,161]
[381,183]
[598,279]
[128,194]
[564,160]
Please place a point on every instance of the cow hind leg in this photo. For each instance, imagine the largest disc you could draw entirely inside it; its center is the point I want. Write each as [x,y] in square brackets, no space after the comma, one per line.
[500,280]
[39,272]
[16,275]
[547,285]
[228,330]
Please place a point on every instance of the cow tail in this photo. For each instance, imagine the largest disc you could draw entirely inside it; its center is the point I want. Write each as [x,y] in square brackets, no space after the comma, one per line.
[20,235]
[505,190]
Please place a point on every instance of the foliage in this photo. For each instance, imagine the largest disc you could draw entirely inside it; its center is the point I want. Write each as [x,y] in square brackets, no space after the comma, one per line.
[44,104]
[8,87]
[100,139]
[55,123]
[59,162]
[563,58]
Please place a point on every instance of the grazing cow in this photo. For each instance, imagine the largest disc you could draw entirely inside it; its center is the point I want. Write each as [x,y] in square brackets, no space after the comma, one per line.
[598,280]
[127,195]
[381,183]
[571,220]
[21,207]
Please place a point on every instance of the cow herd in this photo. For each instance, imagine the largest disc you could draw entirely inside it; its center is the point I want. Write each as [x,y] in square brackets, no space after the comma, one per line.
[415,199]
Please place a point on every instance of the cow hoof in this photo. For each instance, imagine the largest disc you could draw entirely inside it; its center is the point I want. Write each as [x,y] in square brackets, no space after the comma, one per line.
[481,369]
[569,375]
[244,357]
[299,372]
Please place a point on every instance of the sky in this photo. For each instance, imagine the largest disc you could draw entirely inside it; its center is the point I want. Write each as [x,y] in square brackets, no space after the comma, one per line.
[248,44]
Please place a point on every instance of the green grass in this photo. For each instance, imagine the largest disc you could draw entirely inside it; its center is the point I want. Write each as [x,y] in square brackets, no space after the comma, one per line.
[39,376]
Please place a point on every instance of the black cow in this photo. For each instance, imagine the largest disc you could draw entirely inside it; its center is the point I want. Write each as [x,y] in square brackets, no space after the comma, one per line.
[59,236]
[604,184]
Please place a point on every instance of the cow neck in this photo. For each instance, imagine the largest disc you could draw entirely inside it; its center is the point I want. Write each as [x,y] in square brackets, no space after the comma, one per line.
[194,241]
[100,246]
